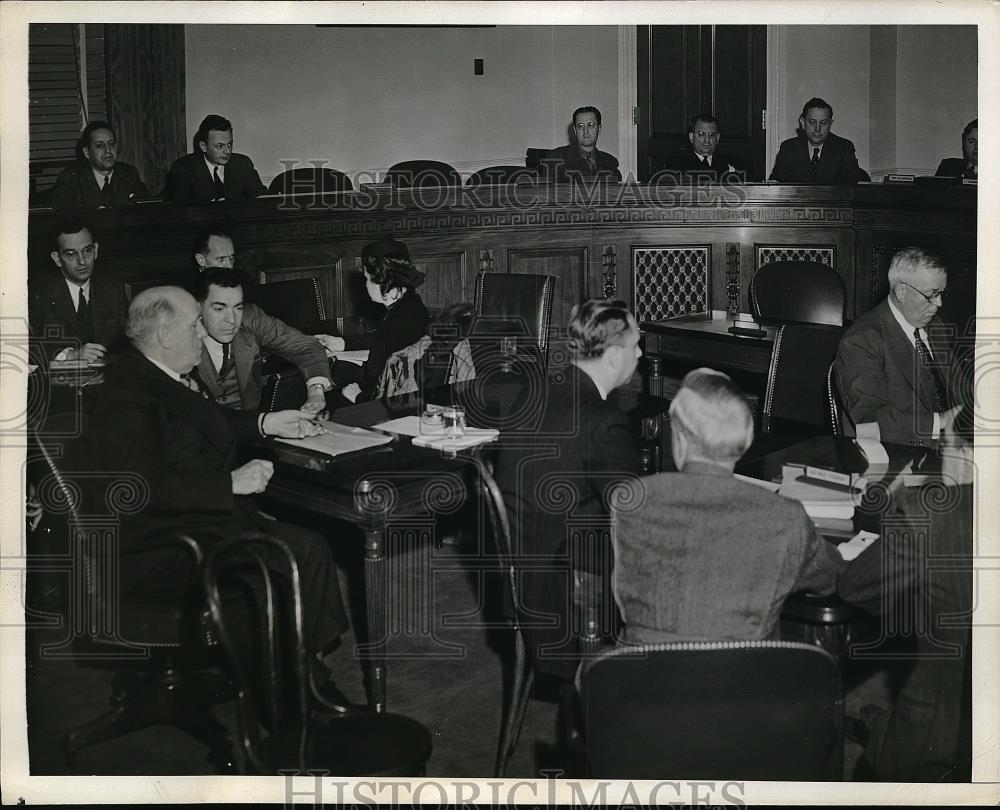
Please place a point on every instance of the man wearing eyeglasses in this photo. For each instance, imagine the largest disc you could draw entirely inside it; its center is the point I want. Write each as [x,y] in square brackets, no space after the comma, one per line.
[581,160]
[894,363]
[705,159]
[80,313]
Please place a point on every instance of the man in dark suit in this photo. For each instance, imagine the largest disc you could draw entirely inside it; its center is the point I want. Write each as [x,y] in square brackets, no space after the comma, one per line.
[703,555]
[817,156]
[148,419]
[966,166]
[557,479]
[213,171]
[893,363]
[236,334]
[581,160]
[704,159]
[918,575]
[79,313]
[100,180]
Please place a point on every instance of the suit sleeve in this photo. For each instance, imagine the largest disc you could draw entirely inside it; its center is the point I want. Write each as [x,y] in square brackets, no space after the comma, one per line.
[66,192]
[127,436]
[820,562]
[137,189]
[276,336]
[252,185]
[781,171]
[552,168]
[850,171]
[180,186]
[861,377]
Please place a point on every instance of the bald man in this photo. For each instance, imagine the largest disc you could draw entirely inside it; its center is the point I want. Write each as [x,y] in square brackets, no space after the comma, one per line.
[707,556]
[149,419]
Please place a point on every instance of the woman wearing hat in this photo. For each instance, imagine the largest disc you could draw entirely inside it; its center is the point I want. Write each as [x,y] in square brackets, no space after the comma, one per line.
[390,280]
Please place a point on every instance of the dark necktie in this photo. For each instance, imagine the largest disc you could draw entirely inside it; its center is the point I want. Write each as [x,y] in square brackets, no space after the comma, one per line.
[226,362]
[591,162]
[193,381]
[814,164]
[927,364]
[84,322]
[220,189]
[704,161]
[106,191]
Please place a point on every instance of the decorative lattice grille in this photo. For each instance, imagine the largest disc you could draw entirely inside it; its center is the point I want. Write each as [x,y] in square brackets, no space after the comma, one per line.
[670,281]
[794,253]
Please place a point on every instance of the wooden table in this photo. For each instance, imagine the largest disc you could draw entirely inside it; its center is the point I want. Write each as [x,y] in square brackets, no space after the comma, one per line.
[385,487]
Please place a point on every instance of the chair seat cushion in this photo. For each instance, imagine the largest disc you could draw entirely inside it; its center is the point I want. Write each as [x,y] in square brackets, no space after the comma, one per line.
[355,744]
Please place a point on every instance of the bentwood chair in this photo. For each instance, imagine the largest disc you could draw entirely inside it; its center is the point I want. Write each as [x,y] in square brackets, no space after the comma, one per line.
[300,739]
[752,710]
[422,174]
[312,179]
[156,639]
[807,292]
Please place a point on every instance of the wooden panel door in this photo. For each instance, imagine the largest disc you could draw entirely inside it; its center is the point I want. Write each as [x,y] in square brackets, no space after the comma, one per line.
[688,69]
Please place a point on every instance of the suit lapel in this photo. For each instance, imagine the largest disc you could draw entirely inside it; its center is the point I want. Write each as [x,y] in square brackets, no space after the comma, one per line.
[62,304]
[203,177]
[904,356]
[208,375]
[243,357]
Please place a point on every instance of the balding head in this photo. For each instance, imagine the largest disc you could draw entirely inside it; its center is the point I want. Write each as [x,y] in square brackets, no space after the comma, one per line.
[709,420]
[164,323]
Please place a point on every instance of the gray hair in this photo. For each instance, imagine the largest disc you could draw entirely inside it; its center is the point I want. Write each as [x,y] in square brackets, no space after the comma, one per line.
[149,310]
[711,411]
[910,261]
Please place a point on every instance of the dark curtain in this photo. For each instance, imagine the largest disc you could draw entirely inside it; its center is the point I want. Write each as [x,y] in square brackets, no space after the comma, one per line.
[146,96]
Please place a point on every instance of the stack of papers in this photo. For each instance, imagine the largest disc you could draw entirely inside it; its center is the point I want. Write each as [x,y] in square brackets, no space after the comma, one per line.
[339,439]
[819,501]
[433,435]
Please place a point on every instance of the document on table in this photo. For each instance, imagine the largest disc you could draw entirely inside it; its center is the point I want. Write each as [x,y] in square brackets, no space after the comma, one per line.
[358,356]
[339,439]
[819,501]
[433,435]
[770,486]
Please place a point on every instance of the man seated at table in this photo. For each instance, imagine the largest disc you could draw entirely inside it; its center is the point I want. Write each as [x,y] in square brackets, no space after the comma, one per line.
[817,155]
[892,364]
[213,171]
[100,180]
[236,333]
[78,313]
[704,159]
[966,166]
[703,555]
[149,420]
[581,160]
[557,476]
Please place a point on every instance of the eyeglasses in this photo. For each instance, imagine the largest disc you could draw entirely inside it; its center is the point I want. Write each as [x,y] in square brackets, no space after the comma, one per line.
[86,252]
[588,125]
[929,297]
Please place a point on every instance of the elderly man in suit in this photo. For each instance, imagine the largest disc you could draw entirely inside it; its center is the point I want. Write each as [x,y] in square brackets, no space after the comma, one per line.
[149,419]
[237,332]
[892,364]
[79,312]
[213,171]
[817,156]
[100,180]
[704,159]
[581,160]
[702,555]
[966,166]
[558,477]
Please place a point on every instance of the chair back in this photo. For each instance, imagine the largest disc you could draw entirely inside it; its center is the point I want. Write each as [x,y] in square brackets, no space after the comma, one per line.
[515,305]
[310,179]
[841,423]
[500,176]
[422,173]
[283,673]
[296,301]
[808,292]
[751,710]
[798,376]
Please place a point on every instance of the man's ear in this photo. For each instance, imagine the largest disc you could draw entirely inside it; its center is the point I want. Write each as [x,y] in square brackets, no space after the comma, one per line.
[86,152]
[200,260]
[203,147]
[97,246]
[165,335]
[691,138]
[56,260]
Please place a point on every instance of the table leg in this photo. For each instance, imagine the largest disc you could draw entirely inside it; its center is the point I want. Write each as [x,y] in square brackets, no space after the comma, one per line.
[376,609]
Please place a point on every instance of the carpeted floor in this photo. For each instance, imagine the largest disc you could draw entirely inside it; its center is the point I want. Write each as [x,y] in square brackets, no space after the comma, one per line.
[445,670]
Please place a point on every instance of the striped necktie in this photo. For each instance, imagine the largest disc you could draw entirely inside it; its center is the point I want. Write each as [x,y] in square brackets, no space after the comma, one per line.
[814,164]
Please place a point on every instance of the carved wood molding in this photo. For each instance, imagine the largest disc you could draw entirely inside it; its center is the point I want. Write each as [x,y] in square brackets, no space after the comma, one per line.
[733,277]
[609,270]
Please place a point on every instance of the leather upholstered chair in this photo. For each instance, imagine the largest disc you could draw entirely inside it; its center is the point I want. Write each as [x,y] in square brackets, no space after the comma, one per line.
[296,301]
[808,292]
[500,176]
[156,639]
[841,423]
[514,309]
[422,174]
[753,710]
[311,179]
[300,738]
